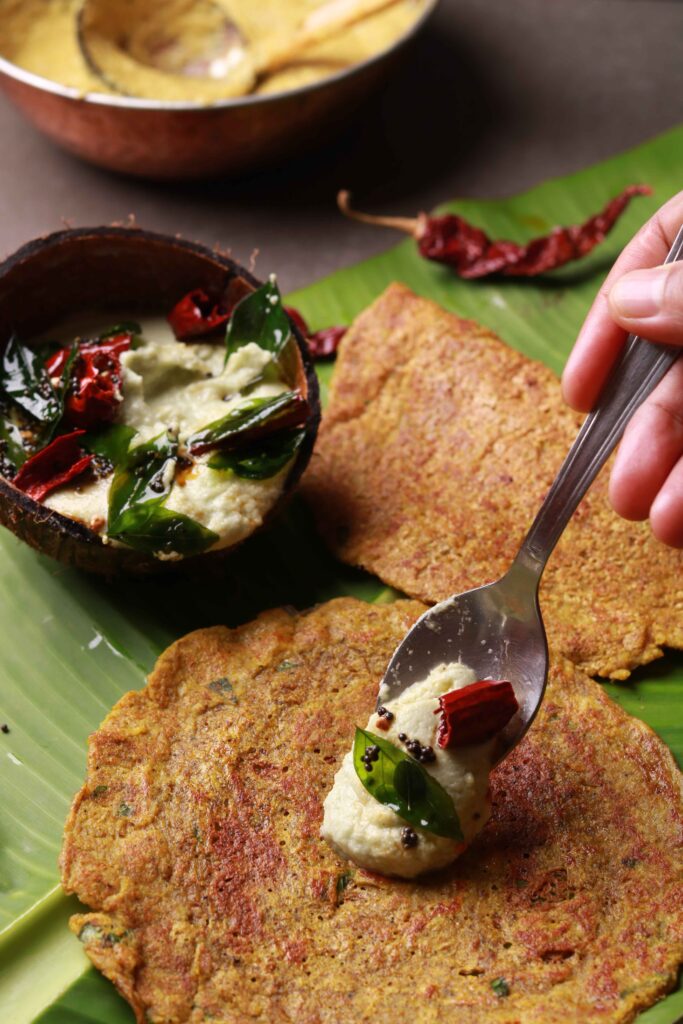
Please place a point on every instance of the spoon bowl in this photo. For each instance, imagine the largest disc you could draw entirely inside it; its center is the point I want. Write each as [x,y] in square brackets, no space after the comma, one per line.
[496,630]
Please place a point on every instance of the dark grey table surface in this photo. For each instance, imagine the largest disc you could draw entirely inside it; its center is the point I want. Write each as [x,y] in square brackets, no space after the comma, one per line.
[498,95]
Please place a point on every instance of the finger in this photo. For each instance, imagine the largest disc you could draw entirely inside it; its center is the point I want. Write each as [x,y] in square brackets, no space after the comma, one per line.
[650,448]
[666,514]
[650,303]
[601,339]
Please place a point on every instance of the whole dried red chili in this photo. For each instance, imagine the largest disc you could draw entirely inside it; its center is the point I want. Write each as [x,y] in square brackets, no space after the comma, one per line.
[475,713]
[197,315]
[61,461]
[450,239]
[322,344]
[94,392]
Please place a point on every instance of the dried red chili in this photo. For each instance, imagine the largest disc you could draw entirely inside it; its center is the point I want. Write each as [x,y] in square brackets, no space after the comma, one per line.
[94,392]
[196,315]
[450,239]
[61,461]
[322,344]
[475,713]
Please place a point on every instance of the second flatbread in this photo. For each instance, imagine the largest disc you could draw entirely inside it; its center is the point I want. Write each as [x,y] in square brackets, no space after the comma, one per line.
[436,449]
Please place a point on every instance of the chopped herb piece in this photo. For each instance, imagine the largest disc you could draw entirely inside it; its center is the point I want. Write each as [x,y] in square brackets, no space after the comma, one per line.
[224,686]
[124,810]
[221,686]
[99,790]
[343,882]
[251,421]
[399,782]
[629,862]
[500,987]
[263,459]
[286,665]
[259,318]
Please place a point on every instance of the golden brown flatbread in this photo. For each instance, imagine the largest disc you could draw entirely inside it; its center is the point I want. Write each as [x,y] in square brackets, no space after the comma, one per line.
[435,452]
[195,841]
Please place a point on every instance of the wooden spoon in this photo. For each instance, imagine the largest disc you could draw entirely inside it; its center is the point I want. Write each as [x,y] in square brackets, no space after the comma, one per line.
[147,47]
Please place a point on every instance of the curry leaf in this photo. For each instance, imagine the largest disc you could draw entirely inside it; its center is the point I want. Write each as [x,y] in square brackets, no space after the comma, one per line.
[25,381]
[144,477]
[259,318]
[157,530]
[142,483]
[401,783]
[263,459]
[250,420]
[112,443]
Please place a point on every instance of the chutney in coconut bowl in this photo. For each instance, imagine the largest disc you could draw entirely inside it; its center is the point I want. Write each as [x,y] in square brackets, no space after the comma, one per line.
[157,404]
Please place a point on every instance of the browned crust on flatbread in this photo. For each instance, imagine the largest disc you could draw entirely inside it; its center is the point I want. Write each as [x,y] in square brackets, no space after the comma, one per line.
[436,449]
[214,898]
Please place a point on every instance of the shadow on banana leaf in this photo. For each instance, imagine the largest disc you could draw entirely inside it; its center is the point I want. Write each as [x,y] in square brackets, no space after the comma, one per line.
[284,565]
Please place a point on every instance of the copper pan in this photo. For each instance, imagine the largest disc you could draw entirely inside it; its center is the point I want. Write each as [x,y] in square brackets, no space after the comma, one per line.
[163,140]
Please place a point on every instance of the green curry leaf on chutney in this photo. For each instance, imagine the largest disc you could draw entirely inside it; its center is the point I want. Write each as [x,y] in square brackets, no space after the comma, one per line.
[401,783]
[259,318]
[137,516]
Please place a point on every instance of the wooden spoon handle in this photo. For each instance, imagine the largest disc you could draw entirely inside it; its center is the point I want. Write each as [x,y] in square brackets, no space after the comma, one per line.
[326,21]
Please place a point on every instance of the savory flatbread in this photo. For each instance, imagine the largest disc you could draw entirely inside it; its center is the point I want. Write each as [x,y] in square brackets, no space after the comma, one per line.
[436,449]
[195,842]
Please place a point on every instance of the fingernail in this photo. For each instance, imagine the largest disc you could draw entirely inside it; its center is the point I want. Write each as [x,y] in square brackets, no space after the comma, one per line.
[639,294]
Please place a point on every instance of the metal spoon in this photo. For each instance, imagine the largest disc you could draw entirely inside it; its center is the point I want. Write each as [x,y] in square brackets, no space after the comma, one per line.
[197,39]
[497,629]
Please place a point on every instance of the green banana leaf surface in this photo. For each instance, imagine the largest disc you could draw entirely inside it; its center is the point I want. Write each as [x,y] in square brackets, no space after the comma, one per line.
[72,645]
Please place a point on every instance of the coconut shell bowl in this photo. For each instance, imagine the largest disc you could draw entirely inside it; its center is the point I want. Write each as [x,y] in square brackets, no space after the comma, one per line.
[107,270]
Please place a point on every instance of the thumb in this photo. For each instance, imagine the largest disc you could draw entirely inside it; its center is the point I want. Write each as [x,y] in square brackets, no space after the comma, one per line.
[650,303]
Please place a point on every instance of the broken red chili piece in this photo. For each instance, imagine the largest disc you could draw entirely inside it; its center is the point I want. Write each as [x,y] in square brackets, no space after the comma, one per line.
[322,344]
[94,391]
[476,713]
[61,461]
[450,239]
[197,315]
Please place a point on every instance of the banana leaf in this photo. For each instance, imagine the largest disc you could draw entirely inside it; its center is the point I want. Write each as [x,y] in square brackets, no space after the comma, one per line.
[71,645]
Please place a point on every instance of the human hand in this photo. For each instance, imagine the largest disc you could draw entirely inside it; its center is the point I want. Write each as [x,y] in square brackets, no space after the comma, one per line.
[640,296]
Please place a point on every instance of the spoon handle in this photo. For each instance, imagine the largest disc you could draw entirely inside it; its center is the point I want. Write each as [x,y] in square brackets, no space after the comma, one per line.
[636,374]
